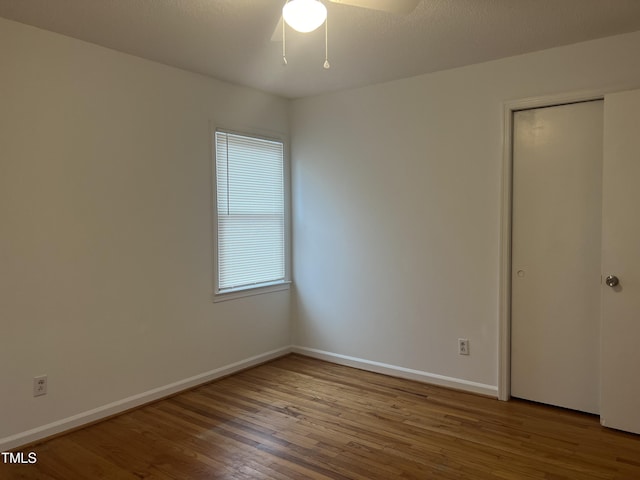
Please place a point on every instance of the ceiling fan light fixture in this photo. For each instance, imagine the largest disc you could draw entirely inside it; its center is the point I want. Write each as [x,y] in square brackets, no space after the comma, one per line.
[304,15]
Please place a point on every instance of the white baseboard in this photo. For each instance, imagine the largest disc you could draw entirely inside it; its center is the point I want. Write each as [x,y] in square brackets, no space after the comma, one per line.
[90,416]
[395,371]
[54,428]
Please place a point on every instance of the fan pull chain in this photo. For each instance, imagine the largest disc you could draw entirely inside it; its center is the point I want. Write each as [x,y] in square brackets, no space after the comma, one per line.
[284,45]
[326,65]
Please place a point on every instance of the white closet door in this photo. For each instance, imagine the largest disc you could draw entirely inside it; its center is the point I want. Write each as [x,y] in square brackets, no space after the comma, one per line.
[621,258]
[556,256]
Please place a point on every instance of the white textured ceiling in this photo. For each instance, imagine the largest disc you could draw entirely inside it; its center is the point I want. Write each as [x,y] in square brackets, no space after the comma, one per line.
[231,39]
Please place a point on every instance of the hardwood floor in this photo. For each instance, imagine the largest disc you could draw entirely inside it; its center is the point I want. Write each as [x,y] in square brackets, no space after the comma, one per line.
[302,418]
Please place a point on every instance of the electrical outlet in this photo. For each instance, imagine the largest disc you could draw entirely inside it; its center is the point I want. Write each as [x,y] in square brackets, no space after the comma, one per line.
[39,385]
[463,346]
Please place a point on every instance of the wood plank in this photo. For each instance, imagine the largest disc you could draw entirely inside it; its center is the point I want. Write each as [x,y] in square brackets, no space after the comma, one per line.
[301,418]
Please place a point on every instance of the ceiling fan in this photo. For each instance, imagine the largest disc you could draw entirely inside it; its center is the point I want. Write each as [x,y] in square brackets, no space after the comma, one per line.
[308,15]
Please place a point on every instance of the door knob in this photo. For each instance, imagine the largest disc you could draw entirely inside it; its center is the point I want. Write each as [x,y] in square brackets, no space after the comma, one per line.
[612,281]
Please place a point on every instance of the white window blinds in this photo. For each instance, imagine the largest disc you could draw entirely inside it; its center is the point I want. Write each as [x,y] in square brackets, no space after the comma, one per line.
[251,211]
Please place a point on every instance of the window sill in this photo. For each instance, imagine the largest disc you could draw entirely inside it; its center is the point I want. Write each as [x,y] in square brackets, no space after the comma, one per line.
[249,291]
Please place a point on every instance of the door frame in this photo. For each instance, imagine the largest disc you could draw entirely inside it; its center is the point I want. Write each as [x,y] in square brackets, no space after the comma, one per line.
[504,273]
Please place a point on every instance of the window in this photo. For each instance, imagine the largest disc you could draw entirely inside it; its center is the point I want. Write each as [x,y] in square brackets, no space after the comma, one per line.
[250,206]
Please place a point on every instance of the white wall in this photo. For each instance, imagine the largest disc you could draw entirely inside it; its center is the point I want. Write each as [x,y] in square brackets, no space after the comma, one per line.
[397,204]
[105,229]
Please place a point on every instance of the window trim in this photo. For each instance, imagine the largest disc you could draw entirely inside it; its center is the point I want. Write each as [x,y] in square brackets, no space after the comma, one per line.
[266,287]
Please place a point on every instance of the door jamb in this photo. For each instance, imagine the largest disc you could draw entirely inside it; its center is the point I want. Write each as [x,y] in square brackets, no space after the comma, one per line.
[504,275]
